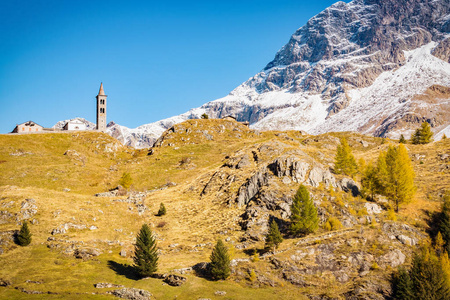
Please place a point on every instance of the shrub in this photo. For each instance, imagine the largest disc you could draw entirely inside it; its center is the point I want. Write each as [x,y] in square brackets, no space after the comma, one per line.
[126,181]
[24,236]
[332,224]
[391,215]
[205,116]
[219,267]
[252,275]
[145,253]
[162,210]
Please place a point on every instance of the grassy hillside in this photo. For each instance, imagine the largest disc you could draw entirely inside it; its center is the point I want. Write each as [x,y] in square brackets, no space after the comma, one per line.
[62,172]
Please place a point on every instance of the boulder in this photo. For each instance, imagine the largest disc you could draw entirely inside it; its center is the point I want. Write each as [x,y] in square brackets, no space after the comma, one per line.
[175,280]
[349,185]
[373,208]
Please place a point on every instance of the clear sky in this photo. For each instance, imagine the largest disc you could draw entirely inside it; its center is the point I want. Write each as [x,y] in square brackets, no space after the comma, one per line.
[156,59]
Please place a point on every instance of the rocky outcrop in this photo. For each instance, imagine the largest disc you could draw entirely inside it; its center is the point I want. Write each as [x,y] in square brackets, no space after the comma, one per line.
[248,190]
[132,294]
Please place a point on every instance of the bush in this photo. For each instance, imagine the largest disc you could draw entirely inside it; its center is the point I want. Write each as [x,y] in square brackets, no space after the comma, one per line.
[145,253]
[332,224]
[126,181]
[219,267]
[205,116]
[162,210]
[402,139]
[24,237]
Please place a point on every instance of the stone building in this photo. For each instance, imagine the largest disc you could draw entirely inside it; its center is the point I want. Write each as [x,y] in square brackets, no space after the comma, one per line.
[101,109]
[27,127]
[74,124]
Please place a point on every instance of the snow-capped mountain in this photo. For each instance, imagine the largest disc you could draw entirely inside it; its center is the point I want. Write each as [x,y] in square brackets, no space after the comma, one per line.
[379,67]
[375,66]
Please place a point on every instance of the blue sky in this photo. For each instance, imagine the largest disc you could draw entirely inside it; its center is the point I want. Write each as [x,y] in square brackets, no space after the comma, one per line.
[156,59]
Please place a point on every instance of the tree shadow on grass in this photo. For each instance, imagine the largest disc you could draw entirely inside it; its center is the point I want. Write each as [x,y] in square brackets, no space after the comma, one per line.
[123,269]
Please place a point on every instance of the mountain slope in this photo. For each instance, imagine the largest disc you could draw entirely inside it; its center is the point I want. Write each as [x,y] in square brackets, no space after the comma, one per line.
[358,66]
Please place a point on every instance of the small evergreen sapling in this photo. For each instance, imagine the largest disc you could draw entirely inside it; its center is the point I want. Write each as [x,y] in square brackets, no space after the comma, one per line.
[345,162]
[219,267]
[162,210]
[304,217]
[24,236]
[402,139]
[145,252]
[273,237]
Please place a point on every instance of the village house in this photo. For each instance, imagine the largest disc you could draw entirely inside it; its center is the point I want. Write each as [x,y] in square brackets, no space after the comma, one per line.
[26,127]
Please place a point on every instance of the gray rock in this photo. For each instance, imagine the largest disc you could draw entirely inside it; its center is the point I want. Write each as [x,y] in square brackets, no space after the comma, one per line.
[132,294]
[349,185]
[220,293]
[406,240]
[394,258]
[373,208]
[104,285]
[175,280]
[123,253]
[248,190]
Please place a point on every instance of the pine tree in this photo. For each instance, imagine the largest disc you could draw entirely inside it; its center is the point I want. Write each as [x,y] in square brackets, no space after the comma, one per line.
[400,176]
[162,210]
[422,135]
[24,236]
[344,161]
[145,252]
[219,266]
[444,137]
[402,285]
[428,277]
[126,181]
[444,222]
[205,116]
[402,139]
[273,237]
[304,217]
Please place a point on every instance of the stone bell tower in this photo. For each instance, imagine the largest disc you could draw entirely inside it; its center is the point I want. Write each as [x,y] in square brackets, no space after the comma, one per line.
[101,109]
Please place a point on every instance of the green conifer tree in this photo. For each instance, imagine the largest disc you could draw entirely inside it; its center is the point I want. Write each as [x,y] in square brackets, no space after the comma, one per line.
[422,135]
[444,222]
[219,267]
[145,252]
[428,277]
[400,180]
[162,210]
[24,236]
[444,137]
[402,139]
[304,217]
[402,285]
[273,237]
[345,162]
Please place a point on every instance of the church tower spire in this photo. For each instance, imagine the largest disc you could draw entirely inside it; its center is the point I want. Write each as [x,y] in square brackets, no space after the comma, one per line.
[101,109]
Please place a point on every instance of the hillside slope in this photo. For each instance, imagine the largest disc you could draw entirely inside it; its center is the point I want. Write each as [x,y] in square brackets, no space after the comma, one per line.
[217,179]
